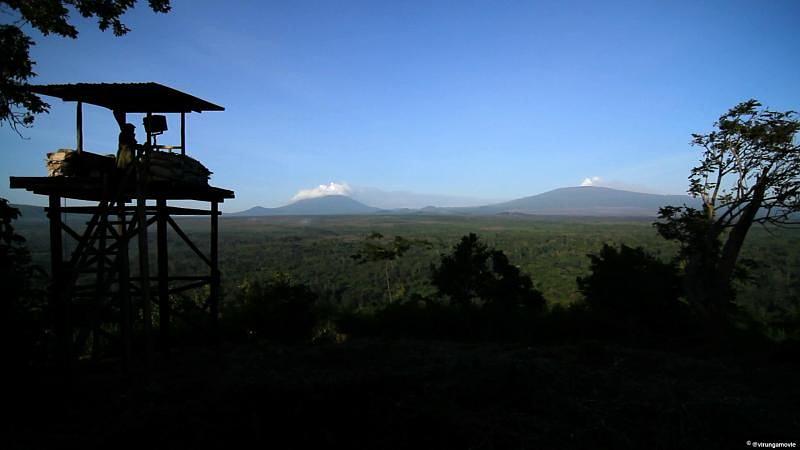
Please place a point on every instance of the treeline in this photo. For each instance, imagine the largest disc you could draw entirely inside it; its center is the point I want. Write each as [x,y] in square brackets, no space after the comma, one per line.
[477,294]
[396,296]
[318,254]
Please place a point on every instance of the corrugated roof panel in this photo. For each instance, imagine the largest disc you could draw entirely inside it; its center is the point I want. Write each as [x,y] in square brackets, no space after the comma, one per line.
[129,97]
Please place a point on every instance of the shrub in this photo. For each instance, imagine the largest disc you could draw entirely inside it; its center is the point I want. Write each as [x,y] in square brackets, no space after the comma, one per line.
[277,309]
[475,275]
[633,290]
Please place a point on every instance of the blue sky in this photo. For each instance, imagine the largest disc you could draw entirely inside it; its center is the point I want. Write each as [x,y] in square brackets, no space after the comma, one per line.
[483,100]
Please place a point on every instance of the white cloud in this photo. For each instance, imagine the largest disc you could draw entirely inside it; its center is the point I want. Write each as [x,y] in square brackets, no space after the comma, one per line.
[389,199]
[615,184]
[592,181]
[322,190]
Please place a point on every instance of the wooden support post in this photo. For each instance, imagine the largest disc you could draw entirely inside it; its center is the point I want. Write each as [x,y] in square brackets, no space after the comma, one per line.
[100,286]
[126,325]
[215,277]
[59,304]
[183,133]
[163,275]
[144,259]
[79,126]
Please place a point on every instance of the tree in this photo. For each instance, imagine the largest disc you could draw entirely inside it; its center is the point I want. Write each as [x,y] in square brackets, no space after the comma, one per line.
[749,174]
[18,104]
[475,273]
[376,249]
[632,289]
[22,307]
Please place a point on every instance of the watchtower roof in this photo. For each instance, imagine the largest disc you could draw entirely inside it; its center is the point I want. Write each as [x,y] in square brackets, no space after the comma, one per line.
[129,97]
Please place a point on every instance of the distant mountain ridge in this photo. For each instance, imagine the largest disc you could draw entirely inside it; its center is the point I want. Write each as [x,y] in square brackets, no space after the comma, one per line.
[30,212]
[588,201]
[319,206]
[569,201]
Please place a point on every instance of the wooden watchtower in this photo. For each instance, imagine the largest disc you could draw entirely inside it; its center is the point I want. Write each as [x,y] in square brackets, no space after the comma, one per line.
[93,296]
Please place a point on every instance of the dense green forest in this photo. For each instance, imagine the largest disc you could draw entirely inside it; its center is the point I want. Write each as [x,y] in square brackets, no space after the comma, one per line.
[317,251]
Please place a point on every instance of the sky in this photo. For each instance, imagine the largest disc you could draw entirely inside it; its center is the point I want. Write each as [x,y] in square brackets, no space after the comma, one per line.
[460,102]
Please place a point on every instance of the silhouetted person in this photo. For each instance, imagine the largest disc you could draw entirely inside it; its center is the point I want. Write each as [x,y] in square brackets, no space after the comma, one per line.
[126,150]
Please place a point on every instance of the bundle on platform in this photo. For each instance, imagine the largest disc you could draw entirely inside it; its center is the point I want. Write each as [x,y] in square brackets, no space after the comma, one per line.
[173,167]
[58,163]
[69,163]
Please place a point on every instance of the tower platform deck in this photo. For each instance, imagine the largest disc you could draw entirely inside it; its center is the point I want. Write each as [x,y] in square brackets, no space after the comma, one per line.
[93,189]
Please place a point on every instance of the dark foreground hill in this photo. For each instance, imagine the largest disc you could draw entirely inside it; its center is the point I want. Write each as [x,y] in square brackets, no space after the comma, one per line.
[402,394]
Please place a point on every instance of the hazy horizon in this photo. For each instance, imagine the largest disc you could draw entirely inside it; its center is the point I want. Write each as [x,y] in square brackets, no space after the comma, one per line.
[373,197]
